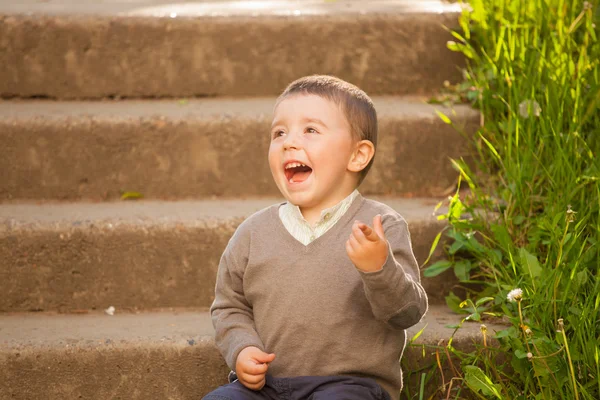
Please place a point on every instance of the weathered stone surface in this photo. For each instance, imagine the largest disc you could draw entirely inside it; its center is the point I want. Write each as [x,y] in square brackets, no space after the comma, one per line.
[91,51]
[154,356]
[206,8]
[140,254]
[201,148]
[151,355]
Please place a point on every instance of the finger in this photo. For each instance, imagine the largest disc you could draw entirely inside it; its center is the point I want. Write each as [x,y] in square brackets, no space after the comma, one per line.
[254,386]
[255,369]
[358,234]
[253,379]
[351,243]
[354,243]
[369,233]
[349,249]
[262,357]
[378,226]
[260,384]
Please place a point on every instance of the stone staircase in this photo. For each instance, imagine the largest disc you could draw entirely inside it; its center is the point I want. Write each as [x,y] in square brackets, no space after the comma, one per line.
[105,97]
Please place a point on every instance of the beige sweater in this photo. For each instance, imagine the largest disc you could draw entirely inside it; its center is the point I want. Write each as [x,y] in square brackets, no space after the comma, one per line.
[310,306]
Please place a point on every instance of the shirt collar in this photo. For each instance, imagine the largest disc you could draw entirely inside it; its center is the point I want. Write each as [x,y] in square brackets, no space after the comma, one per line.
[327,214]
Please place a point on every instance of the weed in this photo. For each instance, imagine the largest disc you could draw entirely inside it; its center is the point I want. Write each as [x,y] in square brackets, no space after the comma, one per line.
[532,219]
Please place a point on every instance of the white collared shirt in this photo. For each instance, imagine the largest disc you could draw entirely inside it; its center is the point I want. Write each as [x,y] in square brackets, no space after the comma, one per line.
[301,230]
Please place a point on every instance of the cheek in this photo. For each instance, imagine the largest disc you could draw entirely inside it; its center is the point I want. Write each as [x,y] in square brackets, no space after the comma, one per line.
[335,153]
[273,156]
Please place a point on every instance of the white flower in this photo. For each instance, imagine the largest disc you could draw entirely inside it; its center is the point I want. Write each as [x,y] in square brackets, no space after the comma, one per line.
[570,214]
[529,356]
[110,310]
[515,295]
[528,108]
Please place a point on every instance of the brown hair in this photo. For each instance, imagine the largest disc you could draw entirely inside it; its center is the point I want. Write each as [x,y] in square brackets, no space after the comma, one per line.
[355,104]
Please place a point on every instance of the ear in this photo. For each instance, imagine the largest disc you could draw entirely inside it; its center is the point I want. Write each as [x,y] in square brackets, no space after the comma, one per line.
[361,156]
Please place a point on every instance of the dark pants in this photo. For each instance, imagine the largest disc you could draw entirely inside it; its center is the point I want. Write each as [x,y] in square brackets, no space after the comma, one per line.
[304,388]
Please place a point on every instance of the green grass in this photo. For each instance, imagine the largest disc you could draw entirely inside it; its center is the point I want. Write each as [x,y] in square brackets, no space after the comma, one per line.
[532,219]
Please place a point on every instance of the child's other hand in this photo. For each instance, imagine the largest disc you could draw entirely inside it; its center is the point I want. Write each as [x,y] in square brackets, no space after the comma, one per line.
[251,367]
[366,247]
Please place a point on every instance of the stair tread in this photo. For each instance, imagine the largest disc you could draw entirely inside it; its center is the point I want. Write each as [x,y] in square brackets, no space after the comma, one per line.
[53,215]
[169,327]
[412,107]
[204,8]
[145,254]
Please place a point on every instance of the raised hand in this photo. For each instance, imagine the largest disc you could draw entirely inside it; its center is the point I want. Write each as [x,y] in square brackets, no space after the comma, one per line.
[251,367]
[366,247]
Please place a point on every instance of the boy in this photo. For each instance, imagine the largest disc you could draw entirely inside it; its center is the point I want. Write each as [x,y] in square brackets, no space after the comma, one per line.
[311,302]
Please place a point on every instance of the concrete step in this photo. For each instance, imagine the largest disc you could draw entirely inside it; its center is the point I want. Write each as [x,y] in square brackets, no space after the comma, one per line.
[196,149]
[141,255]
[155,355]
[158,48]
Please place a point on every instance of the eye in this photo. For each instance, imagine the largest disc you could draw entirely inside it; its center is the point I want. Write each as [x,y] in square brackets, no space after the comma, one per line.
[311,130]
[277,133]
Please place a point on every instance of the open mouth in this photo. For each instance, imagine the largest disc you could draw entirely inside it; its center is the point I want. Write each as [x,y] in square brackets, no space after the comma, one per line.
[296,172]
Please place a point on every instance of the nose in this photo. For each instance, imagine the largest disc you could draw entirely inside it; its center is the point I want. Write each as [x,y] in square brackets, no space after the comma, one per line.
[291,142]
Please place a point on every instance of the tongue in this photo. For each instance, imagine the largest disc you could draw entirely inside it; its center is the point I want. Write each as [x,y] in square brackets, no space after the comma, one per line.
[301,176]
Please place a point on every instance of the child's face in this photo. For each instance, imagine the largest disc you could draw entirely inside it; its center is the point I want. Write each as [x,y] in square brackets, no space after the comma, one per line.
[311,130]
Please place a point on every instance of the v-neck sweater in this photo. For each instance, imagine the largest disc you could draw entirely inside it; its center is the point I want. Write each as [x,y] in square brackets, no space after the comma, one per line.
[311,306]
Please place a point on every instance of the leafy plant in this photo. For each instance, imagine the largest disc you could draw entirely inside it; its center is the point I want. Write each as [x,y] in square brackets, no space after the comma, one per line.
[531,219]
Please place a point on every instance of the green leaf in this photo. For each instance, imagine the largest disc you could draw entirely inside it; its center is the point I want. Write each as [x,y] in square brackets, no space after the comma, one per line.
[458,36]
[461,48]
[456,246]
[543,367]
[521,366]
[478,381]
[495,256]
[479,13]
[472,95]
[443,117]
[581,279]
[462,269]
[131,196]
[576,310]
[464,24]
[474,317]
[501,235]
[483,300]
[530,263]
[437,268]
[506,333]
[520,354]
[491,147]
[518,220]
[433,246]
[416,336]
[453,302]
[453,46]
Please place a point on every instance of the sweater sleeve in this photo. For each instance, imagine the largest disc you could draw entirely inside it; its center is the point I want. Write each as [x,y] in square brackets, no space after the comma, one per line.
[232,315]
[395,292]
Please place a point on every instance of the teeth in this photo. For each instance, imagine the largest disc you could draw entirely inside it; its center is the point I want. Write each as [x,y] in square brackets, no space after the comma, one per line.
[294,165]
